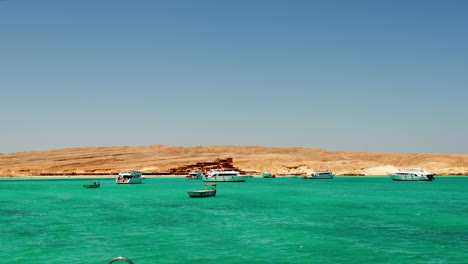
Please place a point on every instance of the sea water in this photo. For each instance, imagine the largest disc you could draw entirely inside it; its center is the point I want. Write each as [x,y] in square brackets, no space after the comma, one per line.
[350,220]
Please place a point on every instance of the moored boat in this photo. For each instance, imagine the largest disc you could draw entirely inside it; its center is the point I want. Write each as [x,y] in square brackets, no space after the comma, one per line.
[320,175]
[292,176]
[210,190]
[219,175]
[268,175]
[416,174]
[194,174]
[95,184]
[129,177]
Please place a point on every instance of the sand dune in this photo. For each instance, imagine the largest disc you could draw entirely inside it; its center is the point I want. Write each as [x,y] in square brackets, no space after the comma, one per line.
[161,158]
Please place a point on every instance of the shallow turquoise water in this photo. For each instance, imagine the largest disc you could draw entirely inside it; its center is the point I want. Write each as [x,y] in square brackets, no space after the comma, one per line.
[344,220]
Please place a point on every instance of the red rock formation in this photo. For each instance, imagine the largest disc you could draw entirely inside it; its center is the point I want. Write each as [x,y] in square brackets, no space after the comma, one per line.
[204,167]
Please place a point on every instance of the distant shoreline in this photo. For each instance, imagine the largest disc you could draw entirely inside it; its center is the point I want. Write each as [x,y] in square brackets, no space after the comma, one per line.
[78,177]
[165,160]
[83,177]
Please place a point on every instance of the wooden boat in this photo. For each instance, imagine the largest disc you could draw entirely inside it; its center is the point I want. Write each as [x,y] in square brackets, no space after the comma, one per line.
[95,184]
[268,175]
[210,190]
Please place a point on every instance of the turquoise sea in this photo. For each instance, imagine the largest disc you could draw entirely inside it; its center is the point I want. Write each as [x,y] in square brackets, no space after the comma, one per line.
[352,220]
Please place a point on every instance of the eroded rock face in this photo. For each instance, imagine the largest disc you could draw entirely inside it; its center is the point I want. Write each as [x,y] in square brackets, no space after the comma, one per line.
[163,158]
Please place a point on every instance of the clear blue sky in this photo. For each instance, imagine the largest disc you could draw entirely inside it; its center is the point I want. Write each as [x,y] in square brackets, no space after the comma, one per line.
[381,76]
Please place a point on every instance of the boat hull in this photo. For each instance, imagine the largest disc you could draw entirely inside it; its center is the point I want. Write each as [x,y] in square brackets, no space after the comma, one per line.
[321,177]
[134,180]
[288,176]
[200,194]
[225,178]
[91,186]
[410,178]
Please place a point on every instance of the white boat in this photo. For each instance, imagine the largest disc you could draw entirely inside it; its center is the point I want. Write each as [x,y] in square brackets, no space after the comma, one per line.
[416,174]
[129,177]
[293,176]
[320,175]
[194,174]
[219,175]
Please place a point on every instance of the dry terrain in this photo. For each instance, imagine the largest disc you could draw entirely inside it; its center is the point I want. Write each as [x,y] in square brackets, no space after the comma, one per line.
[161,158]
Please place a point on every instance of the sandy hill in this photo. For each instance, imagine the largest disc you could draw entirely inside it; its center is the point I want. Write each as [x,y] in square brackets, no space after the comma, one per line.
[161,158]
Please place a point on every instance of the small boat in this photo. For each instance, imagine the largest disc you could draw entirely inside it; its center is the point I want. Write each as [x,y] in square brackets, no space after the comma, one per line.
[210,190]
[268,175]
[219,175]
[320,175]
[416,174]
[194,175]
[289,176]
[95,184]
[129,177]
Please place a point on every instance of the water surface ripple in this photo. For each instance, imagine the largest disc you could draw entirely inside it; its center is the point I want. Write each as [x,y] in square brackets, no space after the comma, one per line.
[350,220]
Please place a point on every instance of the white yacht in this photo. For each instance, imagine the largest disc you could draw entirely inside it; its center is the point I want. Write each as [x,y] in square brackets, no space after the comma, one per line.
[194,174]
[320,175]
[416,174]
[129,177]
[219,175]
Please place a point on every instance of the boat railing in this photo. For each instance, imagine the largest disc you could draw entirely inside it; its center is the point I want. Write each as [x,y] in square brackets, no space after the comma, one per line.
[422,170]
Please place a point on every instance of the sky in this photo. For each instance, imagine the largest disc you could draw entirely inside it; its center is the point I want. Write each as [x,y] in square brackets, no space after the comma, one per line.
[376,75]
